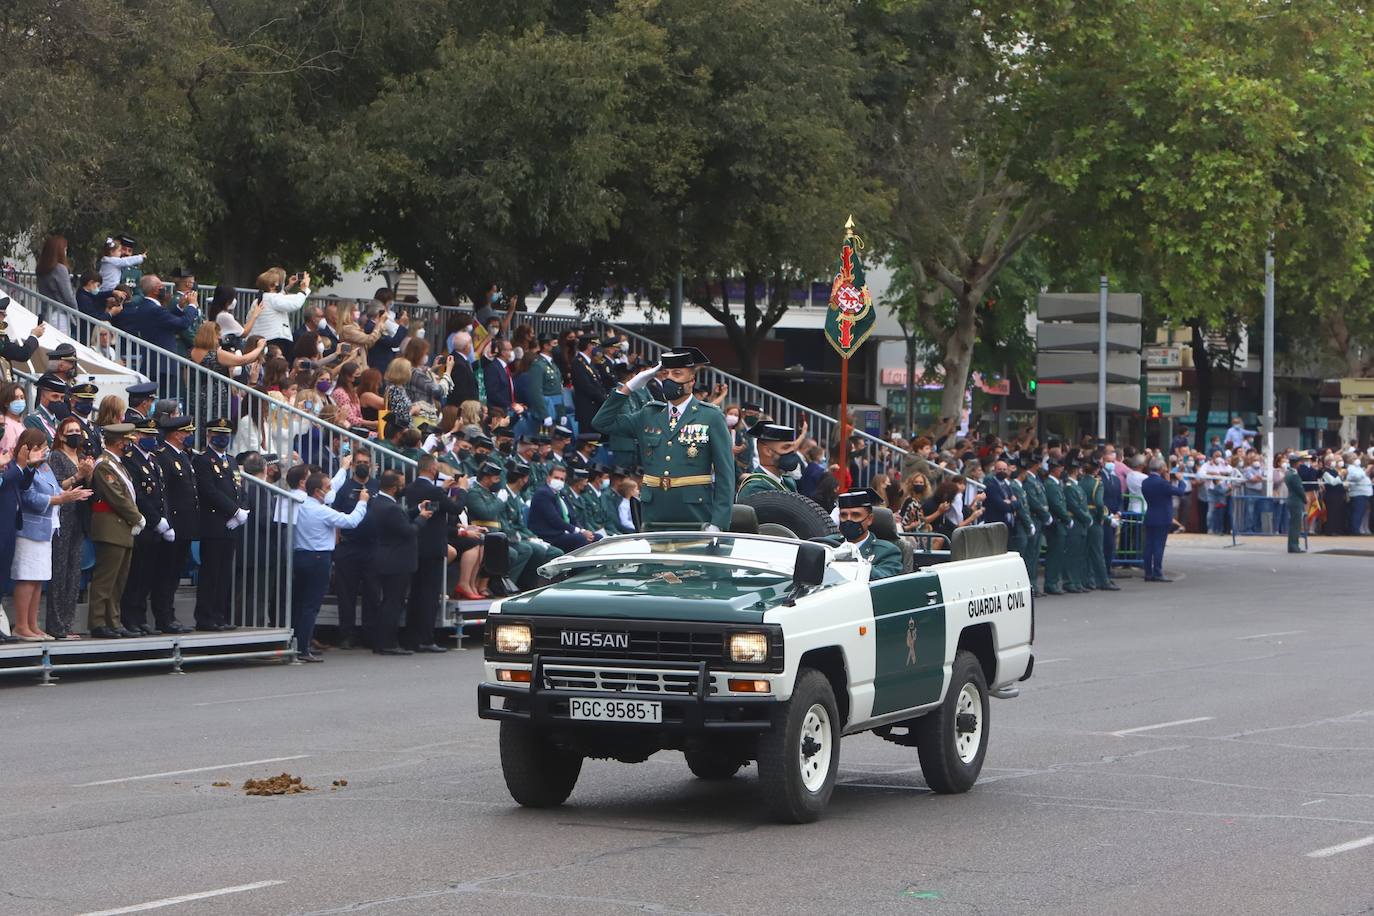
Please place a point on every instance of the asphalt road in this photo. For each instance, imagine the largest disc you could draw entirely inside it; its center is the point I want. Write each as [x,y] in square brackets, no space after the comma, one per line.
[1204,746]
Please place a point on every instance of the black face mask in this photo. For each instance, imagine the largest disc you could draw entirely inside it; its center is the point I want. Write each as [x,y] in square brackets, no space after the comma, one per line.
[1001,475]
[362,471]
[74,440]
[673,390]
[789,462]
[507,447]
[852,531]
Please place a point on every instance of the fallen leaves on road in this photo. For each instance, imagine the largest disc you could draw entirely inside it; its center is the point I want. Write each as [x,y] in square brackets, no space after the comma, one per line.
[285,784]
[220,785]
[340,783]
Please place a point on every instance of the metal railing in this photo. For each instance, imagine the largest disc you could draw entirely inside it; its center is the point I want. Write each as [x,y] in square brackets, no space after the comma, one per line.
[261,584]
[262,423]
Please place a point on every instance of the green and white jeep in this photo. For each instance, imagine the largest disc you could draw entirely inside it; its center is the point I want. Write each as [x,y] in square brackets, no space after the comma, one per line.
[738,647]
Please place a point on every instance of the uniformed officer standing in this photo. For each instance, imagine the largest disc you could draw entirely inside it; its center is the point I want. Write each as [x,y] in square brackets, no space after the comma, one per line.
[856,516]
[178,475]
[1076,561]
[779,464]
[1030,517]
[140,398]
[1056,531]
[222,513]
[1095,573]
[149,494]
[685,447]
[1296,503]
[486,507]
[115,521]
[83,405]
[52,391]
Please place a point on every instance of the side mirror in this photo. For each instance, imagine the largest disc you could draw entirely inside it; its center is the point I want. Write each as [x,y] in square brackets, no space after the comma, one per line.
[809,570]
[495,555]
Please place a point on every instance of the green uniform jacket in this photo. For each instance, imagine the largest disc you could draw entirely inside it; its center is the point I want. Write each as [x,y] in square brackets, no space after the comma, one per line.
[1297,496]
[764,482]
[1024,520]
[1035,495]
[885,557]
[1055,499]
[1092,495]
[115,526]
[699,446]
[590,510]
[485,508]
[512,517]
[625,448]
[610,504]
[550,385]
[1077,505]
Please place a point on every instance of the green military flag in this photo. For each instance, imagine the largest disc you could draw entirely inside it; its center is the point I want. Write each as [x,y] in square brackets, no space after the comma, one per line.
[850,318]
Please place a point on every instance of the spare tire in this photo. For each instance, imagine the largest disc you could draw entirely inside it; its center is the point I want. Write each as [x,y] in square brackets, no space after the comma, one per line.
[802,516]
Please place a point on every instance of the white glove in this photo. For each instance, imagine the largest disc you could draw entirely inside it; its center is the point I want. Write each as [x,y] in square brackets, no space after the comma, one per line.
[1070,524]
[1032,531]
[1116,521]
[712,529]
[642,379]
[162,526]
[232,523]
[503,496]
[241,516]
[601,531]
[169,535]
[548,421]
[138,529]
[1049,522]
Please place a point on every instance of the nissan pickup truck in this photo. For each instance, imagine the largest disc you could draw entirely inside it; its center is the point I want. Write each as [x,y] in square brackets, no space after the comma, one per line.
[737,648]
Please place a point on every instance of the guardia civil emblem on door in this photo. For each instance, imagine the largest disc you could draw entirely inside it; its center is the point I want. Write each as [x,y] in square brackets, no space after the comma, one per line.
[911,641]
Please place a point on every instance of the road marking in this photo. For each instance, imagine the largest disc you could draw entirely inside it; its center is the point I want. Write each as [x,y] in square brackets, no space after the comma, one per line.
[275,696]
[1150,728]
[1051,661]
[222,766]
[185,898]
[1343,847]
[1280,633]
[1315,801]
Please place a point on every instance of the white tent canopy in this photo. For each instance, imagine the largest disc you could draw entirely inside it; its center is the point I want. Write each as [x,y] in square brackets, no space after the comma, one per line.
[111,376]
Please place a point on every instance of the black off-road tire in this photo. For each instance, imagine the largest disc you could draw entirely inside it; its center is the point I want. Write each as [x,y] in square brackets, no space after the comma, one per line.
[712,765]
[780,749]
[938,732]
[799,514]
[538,774]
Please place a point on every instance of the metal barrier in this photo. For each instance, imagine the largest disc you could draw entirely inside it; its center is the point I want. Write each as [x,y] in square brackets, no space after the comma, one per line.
[1261,516]
[262,566]
[269,424]
[1130,540]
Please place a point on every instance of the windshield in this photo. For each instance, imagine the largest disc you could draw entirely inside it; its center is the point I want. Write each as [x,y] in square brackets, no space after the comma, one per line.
[676,548]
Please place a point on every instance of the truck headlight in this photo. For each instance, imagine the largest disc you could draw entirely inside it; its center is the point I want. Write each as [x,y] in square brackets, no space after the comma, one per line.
[513,639]
[749,648]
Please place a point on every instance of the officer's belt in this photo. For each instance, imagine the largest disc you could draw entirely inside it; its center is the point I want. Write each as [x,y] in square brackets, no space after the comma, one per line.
[487,524]
[668,482]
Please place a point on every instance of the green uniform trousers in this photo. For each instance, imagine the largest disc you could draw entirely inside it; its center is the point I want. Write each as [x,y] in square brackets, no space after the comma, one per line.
[1097,560]
[1056,553]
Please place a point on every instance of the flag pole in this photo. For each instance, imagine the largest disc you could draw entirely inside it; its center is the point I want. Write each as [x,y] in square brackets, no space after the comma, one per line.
[844,480]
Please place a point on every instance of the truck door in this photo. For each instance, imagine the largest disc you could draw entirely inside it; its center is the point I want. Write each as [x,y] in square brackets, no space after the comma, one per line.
[909,630]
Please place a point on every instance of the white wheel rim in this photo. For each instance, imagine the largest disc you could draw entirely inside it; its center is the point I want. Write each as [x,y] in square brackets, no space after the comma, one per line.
[813,748]
[968,742]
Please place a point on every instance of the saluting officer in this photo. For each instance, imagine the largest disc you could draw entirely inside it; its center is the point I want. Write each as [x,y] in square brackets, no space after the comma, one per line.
[178,474]
[1057,531]
[684,445]
[151,498]
[83,405]
[222,513]
[779,464]
[856,516]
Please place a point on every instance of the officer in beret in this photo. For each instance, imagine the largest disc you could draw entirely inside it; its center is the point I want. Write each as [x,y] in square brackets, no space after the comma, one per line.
[779,465]
[486,507]
[222,513]
[178,474]
[141,463]
[51,406]
[684,447]
[115,522]
[140,398]
[856,517]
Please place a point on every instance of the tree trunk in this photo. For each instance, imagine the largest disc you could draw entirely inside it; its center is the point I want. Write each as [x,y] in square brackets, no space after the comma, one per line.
[1202,363]
[958,356]
[553,292]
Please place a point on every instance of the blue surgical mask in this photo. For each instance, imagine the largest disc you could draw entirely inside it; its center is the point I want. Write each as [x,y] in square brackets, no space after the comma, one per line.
[1110,467]
[219,441]
[17,406]
[147,443]
[83,407]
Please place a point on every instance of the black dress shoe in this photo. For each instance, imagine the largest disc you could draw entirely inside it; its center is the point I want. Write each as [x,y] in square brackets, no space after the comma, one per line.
[1110,587]
[347,643]
[176,628]
[6,638]
[309,657]
[431,648]
[1073,590]
[226,627]
[1053,591]
[392,652]
[1298,550]
[126,633]
[1163,579]
[209,628]
[103,633]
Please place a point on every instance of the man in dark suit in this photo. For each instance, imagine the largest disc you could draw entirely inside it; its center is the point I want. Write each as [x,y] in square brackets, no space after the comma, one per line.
[588,393]
[496,373]
[427,585]
[354,577]
[149,320]
[221,515]
[999,503]
[178,472]
[392,533]
[550,519]
[1159,517]
[14,351]
[464,379]
[1111,498]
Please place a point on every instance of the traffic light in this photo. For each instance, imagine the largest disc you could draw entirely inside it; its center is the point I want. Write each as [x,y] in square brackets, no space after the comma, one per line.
[1155,412]
[1031,385]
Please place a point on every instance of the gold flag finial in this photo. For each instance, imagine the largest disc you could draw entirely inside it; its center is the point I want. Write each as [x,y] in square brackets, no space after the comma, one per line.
[849,225]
